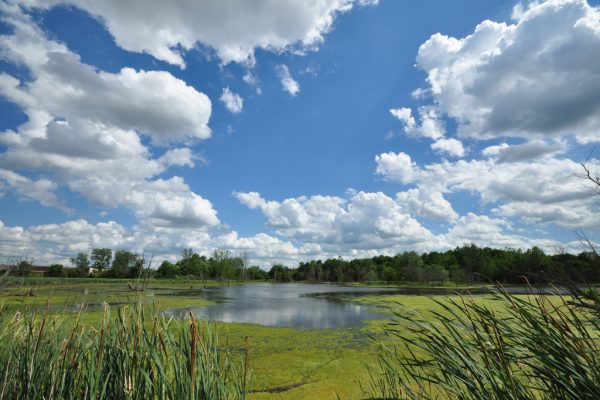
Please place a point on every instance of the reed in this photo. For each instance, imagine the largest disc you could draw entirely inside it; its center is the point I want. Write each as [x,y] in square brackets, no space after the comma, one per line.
[526,348]
[136,354]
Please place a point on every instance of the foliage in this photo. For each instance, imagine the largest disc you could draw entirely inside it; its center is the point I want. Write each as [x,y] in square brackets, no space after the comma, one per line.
[126,264]
[135,355]
[81,264]
[532,349]
[23,268]
[55,270]
[101,258]
[465,264]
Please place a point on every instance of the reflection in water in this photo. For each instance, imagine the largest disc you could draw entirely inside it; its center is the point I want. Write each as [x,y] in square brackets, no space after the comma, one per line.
[293,305]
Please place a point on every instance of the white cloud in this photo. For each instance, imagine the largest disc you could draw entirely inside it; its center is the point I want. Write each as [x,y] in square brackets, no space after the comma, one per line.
[364,223]
[544,191]
[451,147]
[405,116]
[233,28]
[170,203]
[423,202]
[485,231]
[395,167]
[431,126]
[85,129]
[181,157]
[42,190]
[287,82]
[535,78]
[233,102]
[494,150]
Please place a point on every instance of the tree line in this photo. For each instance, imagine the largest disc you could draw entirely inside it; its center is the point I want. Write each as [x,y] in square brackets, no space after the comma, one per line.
[464,264]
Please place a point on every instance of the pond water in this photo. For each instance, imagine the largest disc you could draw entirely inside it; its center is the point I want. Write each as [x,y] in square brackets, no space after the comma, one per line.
[298,305]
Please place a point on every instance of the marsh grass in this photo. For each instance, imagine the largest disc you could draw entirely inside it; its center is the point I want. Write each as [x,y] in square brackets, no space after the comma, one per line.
[527,348]
[135,354]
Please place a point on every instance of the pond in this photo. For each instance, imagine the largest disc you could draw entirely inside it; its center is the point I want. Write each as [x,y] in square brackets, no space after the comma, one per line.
[297,305]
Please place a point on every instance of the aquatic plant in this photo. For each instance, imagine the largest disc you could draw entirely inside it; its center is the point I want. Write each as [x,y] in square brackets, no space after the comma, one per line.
[530,348]
[137,354]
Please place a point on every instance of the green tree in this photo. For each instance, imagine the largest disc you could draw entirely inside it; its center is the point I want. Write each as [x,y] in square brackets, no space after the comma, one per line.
[280,273]
[193,264]
[255,273]
[55,270]
[101,258]
[126,264]
[167,270]
[23,268]
[221,265]
[81,264]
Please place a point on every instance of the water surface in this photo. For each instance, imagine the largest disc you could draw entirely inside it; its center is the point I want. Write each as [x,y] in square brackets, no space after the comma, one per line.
[298,305]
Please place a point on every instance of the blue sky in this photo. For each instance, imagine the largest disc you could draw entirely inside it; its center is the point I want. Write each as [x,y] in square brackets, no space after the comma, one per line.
[296,130]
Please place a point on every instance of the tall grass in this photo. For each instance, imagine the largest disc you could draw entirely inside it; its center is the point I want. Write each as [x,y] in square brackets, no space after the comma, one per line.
[136,354]
[530,348]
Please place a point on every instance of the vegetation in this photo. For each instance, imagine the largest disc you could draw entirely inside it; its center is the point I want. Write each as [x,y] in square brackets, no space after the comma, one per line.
[135,355]
[531,349]
[466,264]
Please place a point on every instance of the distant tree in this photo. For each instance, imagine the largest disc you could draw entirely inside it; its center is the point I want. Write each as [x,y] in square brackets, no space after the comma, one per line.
[388,274]
[435,273]
[193,264]
[256,273]
[167,270]
[23,268]
[101,258]
[222,265]
[413,270]
[126,264]
[81,264]
[280,273]
[55,270]
[245,263]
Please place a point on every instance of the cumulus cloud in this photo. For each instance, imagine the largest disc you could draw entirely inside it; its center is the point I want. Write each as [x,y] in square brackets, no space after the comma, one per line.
[287,82]
[232,101]
[431,126]
[395,167]
[486,231]
[233,28]
[85,128]
[366,222]
[451,147]
[544,190]
[534,78]
[424,202]
[41,190]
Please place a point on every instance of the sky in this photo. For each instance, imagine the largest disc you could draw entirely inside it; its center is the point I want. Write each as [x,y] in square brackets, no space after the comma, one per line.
[292,130]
